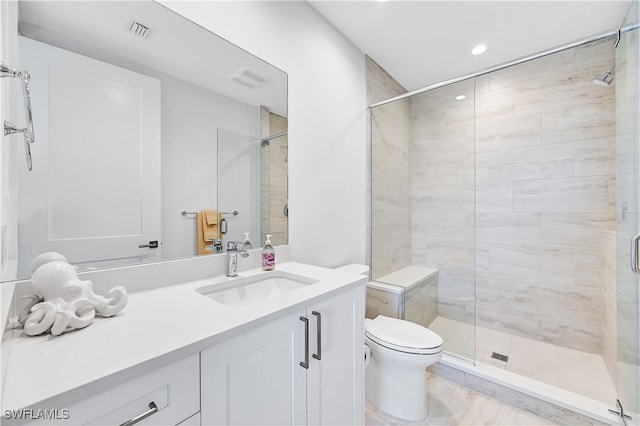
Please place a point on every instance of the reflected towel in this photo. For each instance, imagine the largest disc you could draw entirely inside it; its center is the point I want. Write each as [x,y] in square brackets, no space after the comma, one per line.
[208,230]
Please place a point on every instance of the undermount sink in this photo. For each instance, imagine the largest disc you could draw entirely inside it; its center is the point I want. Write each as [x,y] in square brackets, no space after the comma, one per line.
[242,291]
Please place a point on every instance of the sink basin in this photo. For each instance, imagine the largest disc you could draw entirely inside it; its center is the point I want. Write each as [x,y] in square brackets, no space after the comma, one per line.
[243,291]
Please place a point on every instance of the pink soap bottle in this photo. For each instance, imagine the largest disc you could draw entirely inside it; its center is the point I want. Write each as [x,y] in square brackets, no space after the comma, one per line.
[268,255]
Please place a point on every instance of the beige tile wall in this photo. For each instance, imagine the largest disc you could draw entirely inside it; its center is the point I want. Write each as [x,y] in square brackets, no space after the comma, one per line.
[274,179]
[627,81]
[525,231]
[442,194]
[390,201]
[609,308]
[546,161]
[511,192]
[278,180]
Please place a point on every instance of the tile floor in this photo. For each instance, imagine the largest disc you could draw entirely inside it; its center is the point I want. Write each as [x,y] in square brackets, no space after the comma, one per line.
[580,372]
[452,404]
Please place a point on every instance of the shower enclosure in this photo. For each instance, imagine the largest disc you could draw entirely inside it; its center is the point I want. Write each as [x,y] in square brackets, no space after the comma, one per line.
[503,206]
[252,179]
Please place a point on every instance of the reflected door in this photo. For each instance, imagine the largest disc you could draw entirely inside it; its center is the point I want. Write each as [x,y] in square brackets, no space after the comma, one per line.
[94,192]
[628,218]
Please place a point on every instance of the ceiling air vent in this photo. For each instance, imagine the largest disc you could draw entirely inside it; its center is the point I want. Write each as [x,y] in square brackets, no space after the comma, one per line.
[247,78]
[138,29]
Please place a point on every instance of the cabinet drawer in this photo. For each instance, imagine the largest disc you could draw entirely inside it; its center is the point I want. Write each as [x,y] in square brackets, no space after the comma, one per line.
[168,396]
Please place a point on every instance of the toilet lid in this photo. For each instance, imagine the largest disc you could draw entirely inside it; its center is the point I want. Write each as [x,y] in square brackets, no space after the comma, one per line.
[401,333]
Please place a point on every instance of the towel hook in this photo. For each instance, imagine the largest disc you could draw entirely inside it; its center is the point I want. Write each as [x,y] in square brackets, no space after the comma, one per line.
[9,128]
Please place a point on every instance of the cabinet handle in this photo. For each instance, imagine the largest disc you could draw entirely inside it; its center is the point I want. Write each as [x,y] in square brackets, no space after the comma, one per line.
[153,408]
[634,253]
[318,356]
[305,364]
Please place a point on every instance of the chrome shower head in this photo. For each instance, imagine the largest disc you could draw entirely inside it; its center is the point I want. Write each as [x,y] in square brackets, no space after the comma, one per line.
[604,79]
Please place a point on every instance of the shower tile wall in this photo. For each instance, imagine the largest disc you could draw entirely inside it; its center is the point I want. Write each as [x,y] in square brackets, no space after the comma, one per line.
[540,137]
[390,201]
[628,132]
[609,311]
[278,180]
[442,194]
[274,180]
[545,170]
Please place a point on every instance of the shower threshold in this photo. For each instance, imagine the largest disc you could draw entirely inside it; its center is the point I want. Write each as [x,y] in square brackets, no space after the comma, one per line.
[542,399]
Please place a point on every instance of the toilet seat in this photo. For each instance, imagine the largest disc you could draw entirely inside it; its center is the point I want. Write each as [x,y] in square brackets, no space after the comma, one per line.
[402,336]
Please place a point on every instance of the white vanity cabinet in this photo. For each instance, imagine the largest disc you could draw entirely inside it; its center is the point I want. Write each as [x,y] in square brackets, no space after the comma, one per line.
[303,368]
[167,396]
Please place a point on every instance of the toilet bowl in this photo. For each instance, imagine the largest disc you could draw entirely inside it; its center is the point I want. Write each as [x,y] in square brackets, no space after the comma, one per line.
[397,354]
[395,376]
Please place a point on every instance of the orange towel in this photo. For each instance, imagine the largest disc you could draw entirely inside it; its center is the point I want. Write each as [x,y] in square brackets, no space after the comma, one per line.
[208,230]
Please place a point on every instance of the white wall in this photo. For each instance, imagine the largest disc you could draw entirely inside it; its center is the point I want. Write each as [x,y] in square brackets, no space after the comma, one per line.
[191,118]
[8,242]
[327,118]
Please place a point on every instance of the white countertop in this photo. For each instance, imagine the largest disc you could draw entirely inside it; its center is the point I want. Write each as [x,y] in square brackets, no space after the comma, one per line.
[157,327]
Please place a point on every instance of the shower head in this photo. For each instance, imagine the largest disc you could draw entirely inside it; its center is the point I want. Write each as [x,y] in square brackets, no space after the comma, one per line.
[604,79]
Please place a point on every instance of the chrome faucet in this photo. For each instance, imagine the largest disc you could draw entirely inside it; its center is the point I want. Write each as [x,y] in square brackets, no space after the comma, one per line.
[232,258]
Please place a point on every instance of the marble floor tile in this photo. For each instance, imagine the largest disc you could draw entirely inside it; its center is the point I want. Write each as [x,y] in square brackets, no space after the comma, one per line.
[451,404]
[576,371]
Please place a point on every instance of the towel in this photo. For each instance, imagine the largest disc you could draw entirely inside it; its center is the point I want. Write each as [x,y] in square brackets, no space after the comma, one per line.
[208,230]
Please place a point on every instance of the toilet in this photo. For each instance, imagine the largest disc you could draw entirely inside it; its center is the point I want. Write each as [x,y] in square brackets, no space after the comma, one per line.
[395,376]
[397,355]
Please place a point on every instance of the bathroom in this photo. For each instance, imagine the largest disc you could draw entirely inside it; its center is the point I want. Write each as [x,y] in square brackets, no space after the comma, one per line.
[327,86]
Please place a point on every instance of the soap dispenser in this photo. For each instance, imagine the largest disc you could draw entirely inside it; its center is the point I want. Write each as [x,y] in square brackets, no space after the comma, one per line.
[247,242]
[268,255]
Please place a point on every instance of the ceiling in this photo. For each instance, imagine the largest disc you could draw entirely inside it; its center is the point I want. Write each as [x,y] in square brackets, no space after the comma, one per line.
[426,42]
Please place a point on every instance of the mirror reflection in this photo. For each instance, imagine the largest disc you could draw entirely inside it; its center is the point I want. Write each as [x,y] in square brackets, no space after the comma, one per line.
[141,115]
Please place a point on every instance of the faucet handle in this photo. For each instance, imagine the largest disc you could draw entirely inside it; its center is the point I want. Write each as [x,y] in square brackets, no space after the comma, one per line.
[232,246]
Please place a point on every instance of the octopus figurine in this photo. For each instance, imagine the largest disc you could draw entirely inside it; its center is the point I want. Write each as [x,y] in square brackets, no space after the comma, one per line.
[64,302]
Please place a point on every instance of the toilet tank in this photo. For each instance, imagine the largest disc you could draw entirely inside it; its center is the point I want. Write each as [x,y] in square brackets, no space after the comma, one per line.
[410,293]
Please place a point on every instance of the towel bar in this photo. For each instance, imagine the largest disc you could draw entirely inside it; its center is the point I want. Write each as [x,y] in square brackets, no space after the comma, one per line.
[185,213]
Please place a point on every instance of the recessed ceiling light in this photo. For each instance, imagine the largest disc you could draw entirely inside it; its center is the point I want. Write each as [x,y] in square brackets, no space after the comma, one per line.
[460,97]
[479,49]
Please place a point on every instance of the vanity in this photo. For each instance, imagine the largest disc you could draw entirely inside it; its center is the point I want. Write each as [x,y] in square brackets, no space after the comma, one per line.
[119,199]
[279,347]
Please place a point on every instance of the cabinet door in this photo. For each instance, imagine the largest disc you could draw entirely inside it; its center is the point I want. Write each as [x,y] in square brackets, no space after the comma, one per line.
[336,381]
[255,378]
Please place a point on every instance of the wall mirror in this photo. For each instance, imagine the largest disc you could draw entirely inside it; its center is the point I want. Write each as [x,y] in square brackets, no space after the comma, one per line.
[142,118]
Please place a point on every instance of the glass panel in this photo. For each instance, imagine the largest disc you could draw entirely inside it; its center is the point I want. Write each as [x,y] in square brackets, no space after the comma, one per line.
[422,221]
[545,142]
[239,185]
[253,180]
[274,191]
[628,212]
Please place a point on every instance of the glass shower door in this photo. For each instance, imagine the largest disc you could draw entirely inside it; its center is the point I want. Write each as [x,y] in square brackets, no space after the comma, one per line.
[239,185]
[628,217]
[253,180]
[423,213]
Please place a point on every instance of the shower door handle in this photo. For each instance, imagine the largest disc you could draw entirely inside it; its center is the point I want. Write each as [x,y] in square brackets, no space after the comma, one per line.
[634,253]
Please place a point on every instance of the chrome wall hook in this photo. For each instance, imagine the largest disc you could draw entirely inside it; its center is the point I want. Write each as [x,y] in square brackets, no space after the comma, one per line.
[9,129]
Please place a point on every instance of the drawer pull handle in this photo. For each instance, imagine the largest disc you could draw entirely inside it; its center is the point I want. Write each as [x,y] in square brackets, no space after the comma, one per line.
[153,408]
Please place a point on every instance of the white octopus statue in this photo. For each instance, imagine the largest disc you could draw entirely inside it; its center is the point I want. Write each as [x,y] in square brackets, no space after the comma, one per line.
[63,301]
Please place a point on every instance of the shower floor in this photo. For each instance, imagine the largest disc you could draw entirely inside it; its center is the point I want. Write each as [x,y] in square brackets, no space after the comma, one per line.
[580,372]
